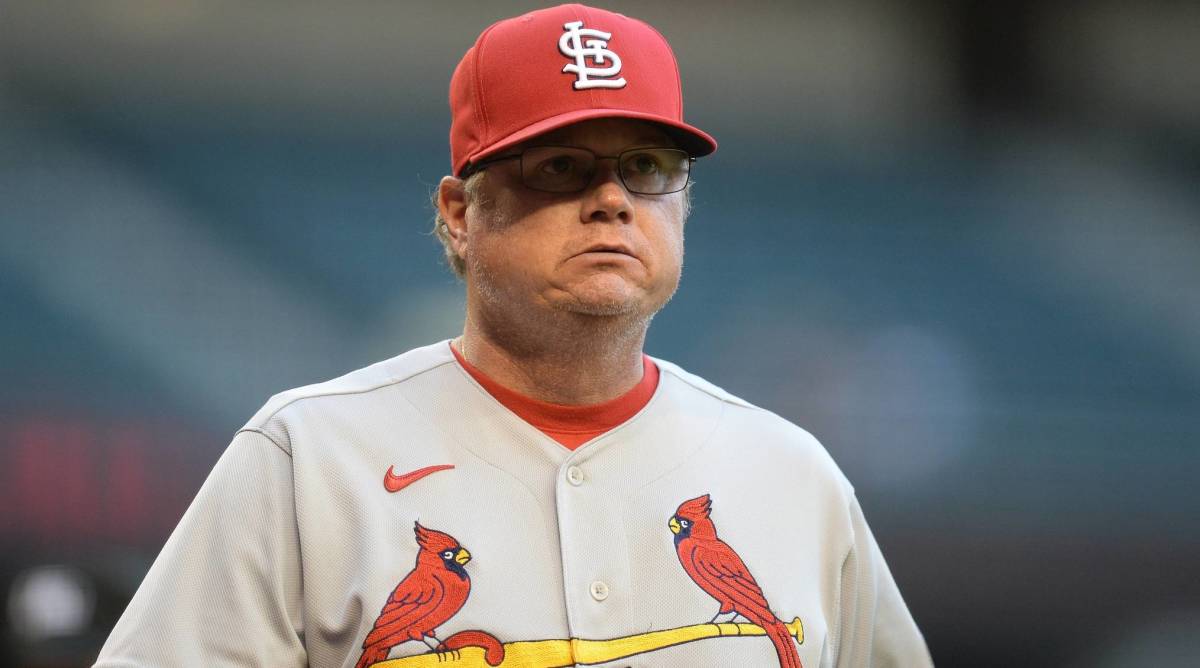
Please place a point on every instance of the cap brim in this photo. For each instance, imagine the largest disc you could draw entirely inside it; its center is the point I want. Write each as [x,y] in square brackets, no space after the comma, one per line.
[691,139]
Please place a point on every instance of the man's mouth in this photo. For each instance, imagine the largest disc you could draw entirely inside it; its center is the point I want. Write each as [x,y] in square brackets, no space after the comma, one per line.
[609,248]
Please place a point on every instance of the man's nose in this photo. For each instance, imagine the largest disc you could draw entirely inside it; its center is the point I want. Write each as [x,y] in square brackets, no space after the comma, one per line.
[606,198]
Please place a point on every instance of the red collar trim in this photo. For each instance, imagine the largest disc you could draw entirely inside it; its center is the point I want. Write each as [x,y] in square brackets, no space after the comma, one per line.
[568,424]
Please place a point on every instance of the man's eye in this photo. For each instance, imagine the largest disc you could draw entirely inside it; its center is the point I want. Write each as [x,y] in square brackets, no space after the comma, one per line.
[558,165]
[644,163]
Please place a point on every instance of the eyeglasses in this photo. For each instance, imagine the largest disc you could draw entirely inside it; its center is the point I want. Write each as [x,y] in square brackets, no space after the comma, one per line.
[569,169]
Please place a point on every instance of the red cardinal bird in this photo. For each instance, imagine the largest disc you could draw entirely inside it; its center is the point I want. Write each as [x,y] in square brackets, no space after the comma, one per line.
[432,592]
[720,572]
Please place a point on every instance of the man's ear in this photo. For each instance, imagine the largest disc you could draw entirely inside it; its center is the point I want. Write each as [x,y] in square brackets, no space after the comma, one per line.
[452,204]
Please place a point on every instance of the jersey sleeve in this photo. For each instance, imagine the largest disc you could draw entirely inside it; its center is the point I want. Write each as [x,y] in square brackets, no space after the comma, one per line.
[875,627]
[226,588]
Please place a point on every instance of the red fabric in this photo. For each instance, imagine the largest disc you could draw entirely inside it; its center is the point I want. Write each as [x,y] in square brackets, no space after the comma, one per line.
[717,569]
[432,592]
[511,85]
[572,426]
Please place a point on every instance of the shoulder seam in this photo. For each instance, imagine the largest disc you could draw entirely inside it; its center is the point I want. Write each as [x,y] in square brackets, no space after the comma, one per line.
[389,382]
[722,396]
[264,434]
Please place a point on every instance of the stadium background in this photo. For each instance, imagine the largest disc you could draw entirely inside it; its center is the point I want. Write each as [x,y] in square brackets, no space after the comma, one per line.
[959,242]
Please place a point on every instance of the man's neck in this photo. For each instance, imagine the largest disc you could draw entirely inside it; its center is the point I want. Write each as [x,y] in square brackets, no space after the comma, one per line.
[585,363]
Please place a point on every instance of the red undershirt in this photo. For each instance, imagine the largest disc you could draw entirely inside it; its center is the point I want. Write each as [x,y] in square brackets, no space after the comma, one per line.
[572,426]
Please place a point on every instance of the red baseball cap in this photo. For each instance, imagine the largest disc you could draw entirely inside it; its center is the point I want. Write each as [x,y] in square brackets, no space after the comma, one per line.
[552,67]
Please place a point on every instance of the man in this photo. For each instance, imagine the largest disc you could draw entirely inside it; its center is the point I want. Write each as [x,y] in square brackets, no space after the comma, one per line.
[536,492]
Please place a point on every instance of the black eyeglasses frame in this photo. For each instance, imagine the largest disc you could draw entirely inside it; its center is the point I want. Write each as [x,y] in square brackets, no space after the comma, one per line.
[474,168]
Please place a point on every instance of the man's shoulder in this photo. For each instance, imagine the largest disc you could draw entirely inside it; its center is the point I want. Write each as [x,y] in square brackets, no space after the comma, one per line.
[753,425]
[742,410]
[700,384]
[358,383]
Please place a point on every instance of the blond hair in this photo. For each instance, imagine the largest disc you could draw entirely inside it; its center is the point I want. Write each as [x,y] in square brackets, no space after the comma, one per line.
[471,188]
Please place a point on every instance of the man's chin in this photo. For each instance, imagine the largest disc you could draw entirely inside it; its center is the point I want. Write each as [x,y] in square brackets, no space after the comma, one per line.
[611,305]
[602,307]
[601,303]
[607,296]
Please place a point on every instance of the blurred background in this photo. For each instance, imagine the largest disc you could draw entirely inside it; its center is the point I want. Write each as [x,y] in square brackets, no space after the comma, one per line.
[957,241]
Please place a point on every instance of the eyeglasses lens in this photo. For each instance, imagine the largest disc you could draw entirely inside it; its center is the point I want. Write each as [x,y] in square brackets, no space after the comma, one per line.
[565,169]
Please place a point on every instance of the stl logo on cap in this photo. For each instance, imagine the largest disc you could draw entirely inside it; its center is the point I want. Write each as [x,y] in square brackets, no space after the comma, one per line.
[606,64]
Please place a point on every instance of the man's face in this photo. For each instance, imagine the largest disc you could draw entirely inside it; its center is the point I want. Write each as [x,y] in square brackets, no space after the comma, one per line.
[602,252]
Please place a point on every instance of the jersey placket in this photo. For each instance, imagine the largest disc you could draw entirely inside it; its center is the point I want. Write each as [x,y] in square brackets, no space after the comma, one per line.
[592,542]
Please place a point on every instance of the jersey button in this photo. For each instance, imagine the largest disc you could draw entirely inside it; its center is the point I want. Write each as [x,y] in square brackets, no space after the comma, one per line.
[575,476]
[599,590]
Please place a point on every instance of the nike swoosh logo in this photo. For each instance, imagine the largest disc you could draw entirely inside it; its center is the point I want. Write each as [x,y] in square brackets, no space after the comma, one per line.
[395,483]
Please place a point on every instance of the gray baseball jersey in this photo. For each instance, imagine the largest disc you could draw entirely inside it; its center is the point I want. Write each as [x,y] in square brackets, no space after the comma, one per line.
[400,509]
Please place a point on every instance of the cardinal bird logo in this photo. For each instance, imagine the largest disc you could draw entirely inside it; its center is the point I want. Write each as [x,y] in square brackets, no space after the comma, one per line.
[433,592]
[720,572]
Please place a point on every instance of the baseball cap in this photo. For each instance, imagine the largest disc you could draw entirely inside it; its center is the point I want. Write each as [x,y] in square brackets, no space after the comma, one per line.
[552,67]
